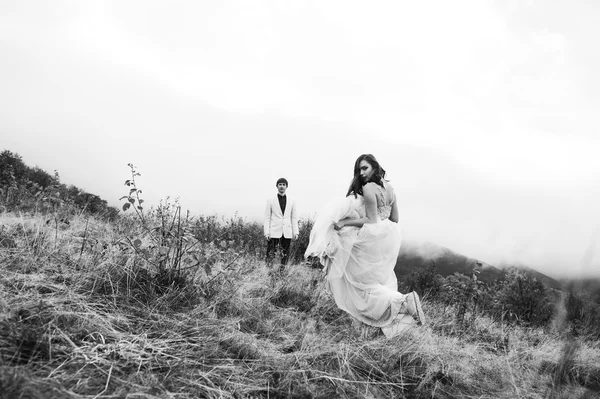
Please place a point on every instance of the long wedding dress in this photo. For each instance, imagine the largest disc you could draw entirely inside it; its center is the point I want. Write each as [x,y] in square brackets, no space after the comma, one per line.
[359,263]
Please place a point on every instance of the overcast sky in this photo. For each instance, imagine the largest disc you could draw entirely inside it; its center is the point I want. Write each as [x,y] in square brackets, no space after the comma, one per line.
[484,113]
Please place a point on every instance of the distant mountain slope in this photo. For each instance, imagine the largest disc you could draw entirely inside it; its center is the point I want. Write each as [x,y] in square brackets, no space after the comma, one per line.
[414,256]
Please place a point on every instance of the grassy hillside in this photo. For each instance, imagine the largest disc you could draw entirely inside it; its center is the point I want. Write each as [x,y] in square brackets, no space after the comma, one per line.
[170,307]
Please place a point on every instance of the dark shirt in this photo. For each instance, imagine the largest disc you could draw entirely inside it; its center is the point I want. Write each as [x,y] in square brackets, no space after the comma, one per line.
[282,202]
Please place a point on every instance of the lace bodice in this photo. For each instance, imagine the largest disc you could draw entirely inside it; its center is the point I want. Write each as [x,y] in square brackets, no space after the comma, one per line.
[384,212]
[384,209]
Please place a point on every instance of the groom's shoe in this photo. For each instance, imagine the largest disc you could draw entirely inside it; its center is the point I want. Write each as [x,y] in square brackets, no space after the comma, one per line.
[413,305]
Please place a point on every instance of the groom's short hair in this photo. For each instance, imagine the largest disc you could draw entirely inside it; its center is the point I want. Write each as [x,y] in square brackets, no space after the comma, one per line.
[282,180]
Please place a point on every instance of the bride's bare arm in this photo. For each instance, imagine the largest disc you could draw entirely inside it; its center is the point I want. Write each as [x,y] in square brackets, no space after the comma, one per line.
[370,210]
[394,216]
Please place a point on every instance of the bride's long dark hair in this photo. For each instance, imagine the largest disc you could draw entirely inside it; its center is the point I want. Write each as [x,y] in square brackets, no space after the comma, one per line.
[356,187]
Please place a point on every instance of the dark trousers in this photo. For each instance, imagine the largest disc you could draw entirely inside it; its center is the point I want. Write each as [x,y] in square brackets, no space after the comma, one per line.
[283,243]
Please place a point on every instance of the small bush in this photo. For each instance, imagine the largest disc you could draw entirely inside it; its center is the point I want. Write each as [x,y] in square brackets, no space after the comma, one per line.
[521,298]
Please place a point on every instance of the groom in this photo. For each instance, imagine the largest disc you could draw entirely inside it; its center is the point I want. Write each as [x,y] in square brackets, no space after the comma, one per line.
[281,222]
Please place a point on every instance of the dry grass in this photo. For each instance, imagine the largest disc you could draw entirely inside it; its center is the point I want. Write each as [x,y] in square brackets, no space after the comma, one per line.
[77,320]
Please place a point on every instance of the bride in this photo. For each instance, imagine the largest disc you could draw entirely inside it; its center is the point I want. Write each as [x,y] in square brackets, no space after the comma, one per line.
[357,240]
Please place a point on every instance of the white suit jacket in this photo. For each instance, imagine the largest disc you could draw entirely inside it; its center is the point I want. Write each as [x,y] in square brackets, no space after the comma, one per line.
[277,224]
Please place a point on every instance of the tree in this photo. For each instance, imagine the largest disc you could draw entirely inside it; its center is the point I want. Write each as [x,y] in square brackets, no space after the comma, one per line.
[12,168]
[41,177]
